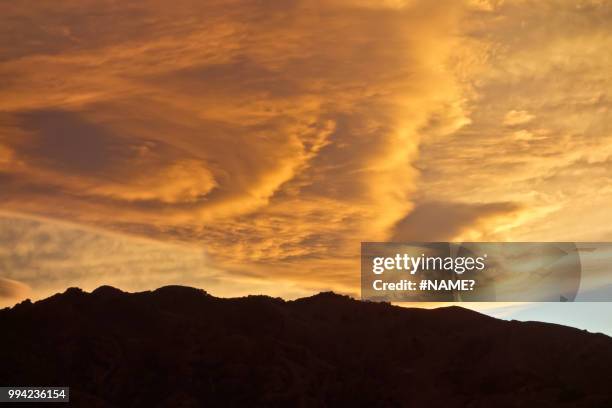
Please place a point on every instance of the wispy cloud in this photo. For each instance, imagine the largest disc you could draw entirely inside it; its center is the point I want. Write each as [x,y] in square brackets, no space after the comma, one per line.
[12,290]
[277,136]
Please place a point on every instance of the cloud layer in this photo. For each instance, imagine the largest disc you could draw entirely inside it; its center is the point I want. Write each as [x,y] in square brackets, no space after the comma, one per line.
[277,136]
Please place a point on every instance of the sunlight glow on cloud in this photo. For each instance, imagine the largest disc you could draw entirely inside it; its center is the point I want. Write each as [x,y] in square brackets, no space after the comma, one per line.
[277,136]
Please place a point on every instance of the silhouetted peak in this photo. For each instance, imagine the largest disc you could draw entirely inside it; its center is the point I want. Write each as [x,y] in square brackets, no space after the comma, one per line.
[25,304]
[178,290]
[327,297]
[324,350]
[106,290]
[460,311]
[73,291]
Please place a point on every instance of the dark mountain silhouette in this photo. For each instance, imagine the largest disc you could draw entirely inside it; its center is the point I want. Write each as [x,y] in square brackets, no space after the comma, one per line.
[180,347]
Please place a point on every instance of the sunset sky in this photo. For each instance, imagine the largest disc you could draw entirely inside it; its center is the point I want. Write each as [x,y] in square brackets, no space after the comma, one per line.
[250,146]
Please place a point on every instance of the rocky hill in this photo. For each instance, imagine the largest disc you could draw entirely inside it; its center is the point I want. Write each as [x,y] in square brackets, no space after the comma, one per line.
[181,347]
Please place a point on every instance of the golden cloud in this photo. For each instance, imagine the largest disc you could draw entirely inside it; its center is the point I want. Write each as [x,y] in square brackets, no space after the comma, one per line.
[278,136]
[12,289]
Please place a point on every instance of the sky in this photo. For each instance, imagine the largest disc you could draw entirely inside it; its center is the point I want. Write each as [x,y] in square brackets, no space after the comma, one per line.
[250,146]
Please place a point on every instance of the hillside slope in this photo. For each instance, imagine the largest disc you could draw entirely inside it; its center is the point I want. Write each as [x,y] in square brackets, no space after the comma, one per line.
[180,347]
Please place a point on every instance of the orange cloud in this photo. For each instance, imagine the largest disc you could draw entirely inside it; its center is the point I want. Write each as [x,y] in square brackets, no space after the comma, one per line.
[256,134]
[446,221]
[278,136]
[11,290]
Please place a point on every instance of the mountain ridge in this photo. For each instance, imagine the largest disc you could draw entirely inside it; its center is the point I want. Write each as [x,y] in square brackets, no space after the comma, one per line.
[181,346]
